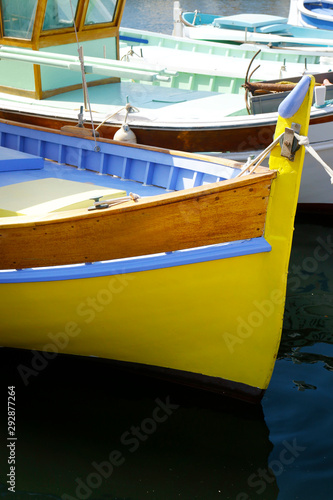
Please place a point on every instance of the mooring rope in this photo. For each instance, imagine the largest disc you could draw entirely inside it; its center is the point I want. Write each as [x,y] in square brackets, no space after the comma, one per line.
[128,108]
[304,141]
[251,165]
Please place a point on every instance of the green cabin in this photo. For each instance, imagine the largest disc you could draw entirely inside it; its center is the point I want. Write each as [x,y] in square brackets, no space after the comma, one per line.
[57,26]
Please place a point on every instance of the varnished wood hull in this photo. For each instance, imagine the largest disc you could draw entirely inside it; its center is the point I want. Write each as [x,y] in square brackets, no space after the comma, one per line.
[225,211]
[225,137]
[189,139]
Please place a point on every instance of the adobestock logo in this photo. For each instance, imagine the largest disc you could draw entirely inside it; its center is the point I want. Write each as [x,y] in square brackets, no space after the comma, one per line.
[246,326]
[262,477]
[301,272]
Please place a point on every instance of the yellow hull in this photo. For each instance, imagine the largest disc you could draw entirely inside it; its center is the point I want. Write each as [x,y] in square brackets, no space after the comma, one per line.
[214,319]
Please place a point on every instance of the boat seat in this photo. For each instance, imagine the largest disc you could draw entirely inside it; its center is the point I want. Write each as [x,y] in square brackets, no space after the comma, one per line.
[50,195]
[11,159]
[274,28]
[250,21]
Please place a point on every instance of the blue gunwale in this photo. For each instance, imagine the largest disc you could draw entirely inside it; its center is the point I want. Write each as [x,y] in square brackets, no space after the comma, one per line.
[138,264]
[155,168]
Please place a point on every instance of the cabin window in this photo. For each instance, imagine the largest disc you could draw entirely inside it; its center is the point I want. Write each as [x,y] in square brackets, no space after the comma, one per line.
[18,18]
[59,14]
[100,11]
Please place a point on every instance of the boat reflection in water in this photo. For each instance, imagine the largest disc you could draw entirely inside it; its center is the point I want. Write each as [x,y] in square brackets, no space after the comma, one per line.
[308,324]
[171,441]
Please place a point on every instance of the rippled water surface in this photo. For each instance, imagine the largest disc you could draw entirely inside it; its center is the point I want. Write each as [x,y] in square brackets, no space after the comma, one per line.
[160,17]
[80,421]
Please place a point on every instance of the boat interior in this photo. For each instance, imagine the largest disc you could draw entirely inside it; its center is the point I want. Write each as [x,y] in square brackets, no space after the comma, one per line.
[40,174]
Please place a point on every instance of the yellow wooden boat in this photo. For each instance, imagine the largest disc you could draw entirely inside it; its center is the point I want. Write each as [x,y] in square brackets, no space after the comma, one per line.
[187,281]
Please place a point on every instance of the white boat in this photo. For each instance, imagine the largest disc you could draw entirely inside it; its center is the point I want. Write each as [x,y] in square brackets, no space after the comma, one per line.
[198,61]
[311,13]
[252,27]
[41,85]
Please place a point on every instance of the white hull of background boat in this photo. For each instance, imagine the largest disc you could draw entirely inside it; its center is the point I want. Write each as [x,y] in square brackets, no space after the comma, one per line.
[249,130]
[141,39]
[197,58]
[316,191]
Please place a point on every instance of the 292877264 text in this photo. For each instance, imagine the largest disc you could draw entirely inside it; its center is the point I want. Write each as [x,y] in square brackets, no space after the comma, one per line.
[11,439]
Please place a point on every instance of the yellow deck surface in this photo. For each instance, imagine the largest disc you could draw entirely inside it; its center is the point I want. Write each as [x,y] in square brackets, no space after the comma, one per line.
[50,195]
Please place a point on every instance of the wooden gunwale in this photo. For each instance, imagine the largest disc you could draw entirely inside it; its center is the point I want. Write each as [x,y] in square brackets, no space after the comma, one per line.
[191,140]
[229,210]
[196,139]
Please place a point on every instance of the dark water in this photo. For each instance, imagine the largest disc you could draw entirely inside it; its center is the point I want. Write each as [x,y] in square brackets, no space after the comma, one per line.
[86,430]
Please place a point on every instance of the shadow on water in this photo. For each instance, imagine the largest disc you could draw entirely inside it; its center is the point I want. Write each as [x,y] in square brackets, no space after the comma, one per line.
[88,430]
[308,319]
[298,404]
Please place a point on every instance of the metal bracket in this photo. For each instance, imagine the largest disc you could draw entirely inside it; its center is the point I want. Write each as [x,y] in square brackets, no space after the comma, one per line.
[289,144]
[98,204]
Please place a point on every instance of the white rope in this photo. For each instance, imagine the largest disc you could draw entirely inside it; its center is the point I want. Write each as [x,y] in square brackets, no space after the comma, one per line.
[304,141]
[116,201]
[128,108]
[252,165]
[84,82]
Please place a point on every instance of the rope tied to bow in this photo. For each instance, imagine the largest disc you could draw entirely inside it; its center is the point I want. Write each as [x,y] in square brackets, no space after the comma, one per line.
[302,140]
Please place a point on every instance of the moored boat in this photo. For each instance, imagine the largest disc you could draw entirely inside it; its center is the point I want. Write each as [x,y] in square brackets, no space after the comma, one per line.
[252,27]
[44,82]
[316,192]
[212,58]
[188,281]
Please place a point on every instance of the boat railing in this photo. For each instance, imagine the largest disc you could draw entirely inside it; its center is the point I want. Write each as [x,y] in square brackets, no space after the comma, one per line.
[92,65]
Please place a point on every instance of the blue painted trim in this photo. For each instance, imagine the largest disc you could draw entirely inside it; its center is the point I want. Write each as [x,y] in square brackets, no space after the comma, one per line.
[329,102]
[138,264]
[317,23]
[82,155]
[13,160]
[291,104]
[132,39]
